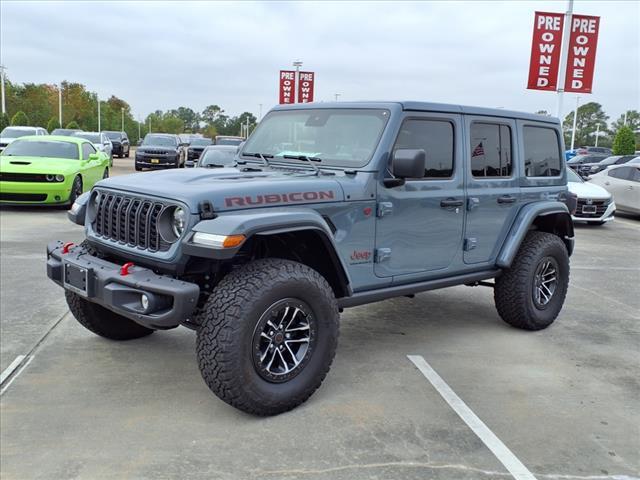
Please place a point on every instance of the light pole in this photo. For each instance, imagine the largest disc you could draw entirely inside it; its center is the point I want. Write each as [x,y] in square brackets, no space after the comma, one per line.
[575,119]
[4,107]
[260,110]
[297,64]
[99,129]
[337,95]
[122,112]
[60,105]
[139,122]
[597,133]
[564,50]
[149,129]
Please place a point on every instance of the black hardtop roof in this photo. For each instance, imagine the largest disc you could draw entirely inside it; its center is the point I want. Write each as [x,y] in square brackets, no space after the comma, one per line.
[426,107]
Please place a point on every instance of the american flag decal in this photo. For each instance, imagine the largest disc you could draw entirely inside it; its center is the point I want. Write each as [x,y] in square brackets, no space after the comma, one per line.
[479,150]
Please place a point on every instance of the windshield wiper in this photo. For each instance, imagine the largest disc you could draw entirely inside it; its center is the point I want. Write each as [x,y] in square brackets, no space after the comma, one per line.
[261,156]
[309,160]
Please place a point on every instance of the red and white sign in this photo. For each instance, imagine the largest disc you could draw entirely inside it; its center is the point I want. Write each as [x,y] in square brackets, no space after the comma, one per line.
[581,59]
[305,87]
[545,51]
[287,86]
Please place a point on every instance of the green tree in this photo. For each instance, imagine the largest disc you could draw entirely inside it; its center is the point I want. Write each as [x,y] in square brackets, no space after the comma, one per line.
[73,124]
[624,142]
[52,124]
[4,121]
[189,118]
[210,114]
[633,121]
[590,116]
[172,124]
[20,118]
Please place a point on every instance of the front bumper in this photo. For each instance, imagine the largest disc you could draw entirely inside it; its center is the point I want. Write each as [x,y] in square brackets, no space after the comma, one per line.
[163,162]
[35,193]
[171,302]
[607,216]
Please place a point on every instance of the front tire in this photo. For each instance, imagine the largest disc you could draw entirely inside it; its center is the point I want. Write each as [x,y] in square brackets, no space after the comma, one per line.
[103,322]
[530,294]
[76,190]
[268,334]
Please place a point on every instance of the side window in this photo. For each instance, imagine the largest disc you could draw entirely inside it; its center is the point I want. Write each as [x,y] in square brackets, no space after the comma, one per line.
[636,175]
[87,149]
[541,152]
[490,150]
[435,137]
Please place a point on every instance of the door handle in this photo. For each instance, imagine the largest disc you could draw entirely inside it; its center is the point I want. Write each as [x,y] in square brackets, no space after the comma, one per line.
[451,202]
[506,199]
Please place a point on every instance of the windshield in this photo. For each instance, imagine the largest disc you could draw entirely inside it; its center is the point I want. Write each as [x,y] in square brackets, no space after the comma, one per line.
[92,137]
[159,141]
[13,132]
[218,157]
[42,148]
[113,135]
[64,131]
[341,137]
[573,176]
[200,142]
[229,141]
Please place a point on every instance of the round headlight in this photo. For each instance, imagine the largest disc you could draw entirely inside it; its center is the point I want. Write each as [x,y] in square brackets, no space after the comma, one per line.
[51,178]
[178,221]
[59,178]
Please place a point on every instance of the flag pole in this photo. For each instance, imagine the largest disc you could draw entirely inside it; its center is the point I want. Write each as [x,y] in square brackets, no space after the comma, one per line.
[564,51]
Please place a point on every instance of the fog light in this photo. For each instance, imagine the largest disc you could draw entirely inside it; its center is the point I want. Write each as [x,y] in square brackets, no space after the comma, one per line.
[144,301]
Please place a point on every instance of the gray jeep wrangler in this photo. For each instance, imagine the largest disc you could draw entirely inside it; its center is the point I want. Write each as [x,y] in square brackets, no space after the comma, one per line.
[329,206]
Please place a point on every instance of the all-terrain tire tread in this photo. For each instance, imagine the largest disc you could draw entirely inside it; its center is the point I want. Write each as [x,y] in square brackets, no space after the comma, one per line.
[220,319]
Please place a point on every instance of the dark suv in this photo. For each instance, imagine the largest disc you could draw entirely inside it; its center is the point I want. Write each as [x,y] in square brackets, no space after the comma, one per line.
[160,150]
[327,206]
[120,142]
[195,148]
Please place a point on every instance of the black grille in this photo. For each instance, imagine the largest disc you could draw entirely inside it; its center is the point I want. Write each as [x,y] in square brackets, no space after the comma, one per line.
[130,220]
[23,197]
[601,207]
[23,177]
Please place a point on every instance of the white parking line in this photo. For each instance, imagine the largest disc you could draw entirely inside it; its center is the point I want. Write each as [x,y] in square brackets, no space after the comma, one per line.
[9,370]
[499,449]
[17,373]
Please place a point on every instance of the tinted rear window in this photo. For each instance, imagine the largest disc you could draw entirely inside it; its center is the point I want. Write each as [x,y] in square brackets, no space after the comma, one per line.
[541,152]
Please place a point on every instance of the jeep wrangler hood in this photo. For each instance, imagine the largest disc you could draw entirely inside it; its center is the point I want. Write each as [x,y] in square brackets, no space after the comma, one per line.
[230,188]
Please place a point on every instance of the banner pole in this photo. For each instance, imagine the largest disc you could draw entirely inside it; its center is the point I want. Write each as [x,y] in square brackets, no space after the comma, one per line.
[575,119]
[564,52]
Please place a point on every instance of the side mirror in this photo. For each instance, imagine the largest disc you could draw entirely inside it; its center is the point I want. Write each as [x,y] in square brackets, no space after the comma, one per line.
[408,163]
[94,156]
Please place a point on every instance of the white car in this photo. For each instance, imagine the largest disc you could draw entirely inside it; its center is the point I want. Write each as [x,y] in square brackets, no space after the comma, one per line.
[595,204]
[100,141]
[9,134]
[623,182]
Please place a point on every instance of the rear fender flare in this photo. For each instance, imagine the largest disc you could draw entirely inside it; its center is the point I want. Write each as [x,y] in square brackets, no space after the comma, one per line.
[549,216]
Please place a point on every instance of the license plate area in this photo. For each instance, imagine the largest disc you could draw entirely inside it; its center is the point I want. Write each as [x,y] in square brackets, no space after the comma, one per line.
[155,160]
[76,279]
[589,209]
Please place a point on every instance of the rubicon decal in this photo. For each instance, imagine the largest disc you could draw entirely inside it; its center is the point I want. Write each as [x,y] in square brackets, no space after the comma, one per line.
[272,198]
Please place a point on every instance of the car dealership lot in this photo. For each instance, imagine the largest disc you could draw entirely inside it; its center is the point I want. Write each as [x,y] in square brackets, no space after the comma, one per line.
[563,400]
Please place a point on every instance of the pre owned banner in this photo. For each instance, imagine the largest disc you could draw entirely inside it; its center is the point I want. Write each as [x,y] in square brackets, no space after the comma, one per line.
[545,51]
[287,86]
[305,87]
[581,59]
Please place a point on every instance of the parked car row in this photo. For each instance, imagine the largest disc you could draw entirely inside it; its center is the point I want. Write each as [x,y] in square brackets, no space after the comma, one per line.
[587,151]
[9,134]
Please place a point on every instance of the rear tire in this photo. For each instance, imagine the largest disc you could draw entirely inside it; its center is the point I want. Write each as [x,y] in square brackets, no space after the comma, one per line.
[103,322]
[237,348]
[530,294]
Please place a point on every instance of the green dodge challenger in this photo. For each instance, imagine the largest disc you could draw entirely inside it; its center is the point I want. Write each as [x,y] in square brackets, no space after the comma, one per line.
[49,170]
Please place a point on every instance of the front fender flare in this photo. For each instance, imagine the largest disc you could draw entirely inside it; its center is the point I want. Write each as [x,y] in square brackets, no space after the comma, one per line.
[522,224]
[262,222]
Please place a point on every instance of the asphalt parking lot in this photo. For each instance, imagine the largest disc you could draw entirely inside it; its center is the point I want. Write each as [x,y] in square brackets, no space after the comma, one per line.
[563,400]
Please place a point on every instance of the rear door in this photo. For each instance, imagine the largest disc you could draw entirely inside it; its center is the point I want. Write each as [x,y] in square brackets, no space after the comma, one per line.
[493,189]
[419,224]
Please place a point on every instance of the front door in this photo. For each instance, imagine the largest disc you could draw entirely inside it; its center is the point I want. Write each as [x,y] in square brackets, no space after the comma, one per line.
[419,225]
[492,186]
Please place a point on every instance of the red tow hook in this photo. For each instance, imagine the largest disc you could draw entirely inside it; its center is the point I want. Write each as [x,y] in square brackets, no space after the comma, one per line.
[66,247]
[125,268]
